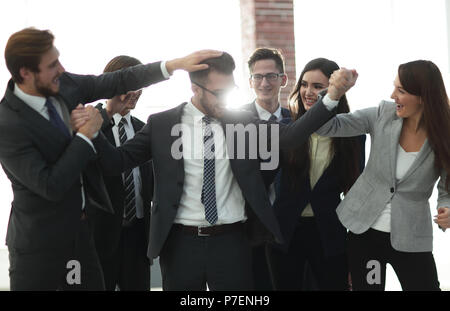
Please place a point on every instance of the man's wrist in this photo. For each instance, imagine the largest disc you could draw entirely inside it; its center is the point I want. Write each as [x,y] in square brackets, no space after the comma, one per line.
[84,134]
[333,94]
[172,65]
[329,103]
[164,70]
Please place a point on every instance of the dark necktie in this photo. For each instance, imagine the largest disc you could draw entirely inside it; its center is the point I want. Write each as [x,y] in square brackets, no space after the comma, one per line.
[209,178]
[129,211]
[55,119]
[273,118]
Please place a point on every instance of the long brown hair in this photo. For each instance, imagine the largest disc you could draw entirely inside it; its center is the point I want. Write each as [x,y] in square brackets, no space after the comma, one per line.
[344,150]
[423,78]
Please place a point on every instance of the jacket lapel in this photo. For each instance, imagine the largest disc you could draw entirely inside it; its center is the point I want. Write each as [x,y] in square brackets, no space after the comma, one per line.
[396,128]
[421,156]
[33,118]
[176,119]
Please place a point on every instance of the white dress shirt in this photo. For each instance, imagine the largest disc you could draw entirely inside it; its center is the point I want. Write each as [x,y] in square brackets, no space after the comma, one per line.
[229,199]
[129,130]
[265,115]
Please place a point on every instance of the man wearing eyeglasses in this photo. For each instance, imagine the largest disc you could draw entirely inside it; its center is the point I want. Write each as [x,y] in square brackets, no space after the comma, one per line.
[121,239]
[209,205]
[267,78]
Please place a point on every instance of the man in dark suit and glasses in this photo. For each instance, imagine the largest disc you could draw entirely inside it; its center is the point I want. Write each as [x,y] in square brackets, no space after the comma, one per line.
[54,174]
[121,239]
[267,78]
[209,205]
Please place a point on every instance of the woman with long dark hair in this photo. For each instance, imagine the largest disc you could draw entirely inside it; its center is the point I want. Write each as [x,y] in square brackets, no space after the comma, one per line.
[308,190]
[387,210]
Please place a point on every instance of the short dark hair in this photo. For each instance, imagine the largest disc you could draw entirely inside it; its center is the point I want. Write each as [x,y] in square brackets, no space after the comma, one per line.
[120,62]
[222,64]
[25,49]
[267,53]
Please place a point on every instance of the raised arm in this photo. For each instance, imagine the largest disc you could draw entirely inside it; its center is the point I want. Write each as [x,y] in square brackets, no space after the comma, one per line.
[350,124]
[296,133]
[136,151]
[89,88]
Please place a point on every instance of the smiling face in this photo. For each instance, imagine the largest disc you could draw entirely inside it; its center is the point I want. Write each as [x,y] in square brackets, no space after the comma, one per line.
[267,91]
[408,105]
[45,82]
[312,83]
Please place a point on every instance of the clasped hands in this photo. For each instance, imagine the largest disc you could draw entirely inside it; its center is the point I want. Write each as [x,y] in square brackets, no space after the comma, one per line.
[340,82]
[86,120]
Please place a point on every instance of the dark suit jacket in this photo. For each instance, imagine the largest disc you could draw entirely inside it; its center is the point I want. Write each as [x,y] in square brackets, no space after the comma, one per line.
[155,142]
[44,167]
[324,198]
[108,227]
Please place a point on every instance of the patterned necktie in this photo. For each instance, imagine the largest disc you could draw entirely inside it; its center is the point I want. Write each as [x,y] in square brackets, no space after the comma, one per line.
[129,211]
[273,118]
[209,179]
[55,119]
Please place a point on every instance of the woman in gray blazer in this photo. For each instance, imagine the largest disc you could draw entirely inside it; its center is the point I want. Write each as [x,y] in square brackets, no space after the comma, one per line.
[387,211]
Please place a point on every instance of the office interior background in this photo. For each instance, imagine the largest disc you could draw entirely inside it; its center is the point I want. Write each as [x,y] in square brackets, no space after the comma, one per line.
[372,36]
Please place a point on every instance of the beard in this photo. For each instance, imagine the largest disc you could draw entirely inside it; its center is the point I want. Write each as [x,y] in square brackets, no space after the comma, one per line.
[43,89]
[211,109]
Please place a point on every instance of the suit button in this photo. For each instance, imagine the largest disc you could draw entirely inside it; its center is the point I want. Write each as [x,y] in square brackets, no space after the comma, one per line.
[392,190]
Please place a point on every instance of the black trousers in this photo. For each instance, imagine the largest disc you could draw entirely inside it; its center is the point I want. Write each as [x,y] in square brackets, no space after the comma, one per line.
[75,267]
[128,268]
[221,262]
[371,251]
[261,274]
[288,268]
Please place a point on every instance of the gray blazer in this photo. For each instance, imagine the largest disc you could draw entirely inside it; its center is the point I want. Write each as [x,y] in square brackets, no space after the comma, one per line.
[411,228]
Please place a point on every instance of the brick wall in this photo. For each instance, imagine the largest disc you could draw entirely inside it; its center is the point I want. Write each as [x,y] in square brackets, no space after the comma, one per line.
[270,23]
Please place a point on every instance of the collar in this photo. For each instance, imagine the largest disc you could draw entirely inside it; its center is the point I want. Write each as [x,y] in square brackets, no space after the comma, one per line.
[117,117]
[265,115]
[35,102]
[315,136]
[193,112]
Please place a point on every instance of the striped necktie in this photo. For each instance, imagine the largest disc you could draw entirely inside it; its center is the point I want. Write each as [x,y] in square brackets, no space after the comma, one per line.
[129,211]
[209,179]
[273,118]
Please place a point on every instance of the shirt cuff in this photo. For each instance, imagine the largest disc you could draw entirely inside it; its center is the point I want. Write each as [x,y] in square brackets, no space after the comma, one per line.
[88,140]
[164,71]
[329,103]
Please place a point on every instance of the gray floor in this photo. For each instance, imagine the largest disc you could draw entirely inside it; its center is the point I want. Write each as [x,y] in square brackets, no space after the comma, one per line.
[4,277]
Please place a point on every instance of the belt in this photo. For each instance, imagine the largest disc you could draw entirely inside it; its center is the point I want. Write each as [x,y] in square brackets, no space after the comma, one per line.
[208,231]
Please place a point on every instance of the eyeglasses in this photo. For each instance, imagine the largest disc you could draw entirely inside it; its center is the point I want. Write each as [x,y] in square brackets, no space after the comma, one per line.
[220,94]
[271,76]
